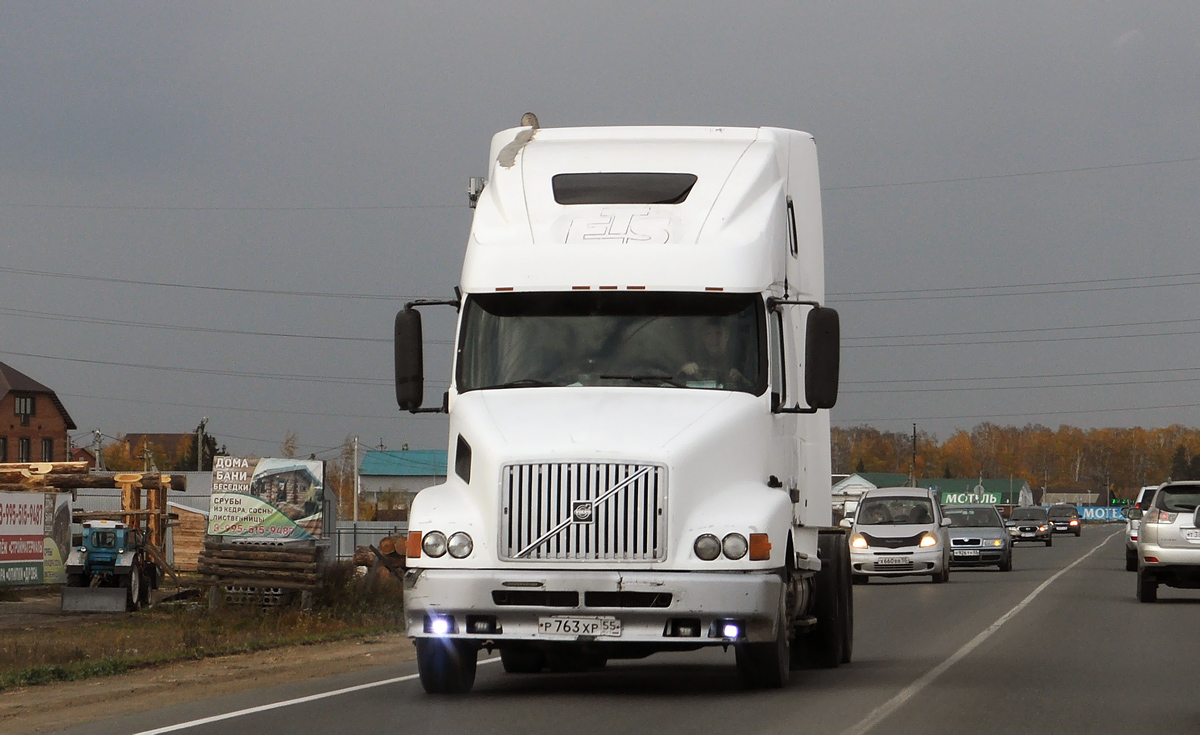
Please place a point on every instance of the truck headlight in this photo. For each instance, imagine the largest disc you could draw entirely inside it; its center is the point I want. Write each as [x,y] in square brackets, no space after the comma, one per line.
[707,547]
[460,545]
[734,545]
[434,544]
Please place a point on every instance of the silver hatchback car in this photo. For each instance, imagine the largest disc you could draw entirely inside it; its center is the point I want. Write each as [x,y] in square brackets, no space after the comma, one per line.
[899,532]
[1168,545]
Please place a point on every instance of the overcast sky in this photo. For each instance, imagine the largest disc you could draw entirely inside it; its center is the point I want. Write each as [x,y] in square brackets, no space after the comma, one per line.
[170,164]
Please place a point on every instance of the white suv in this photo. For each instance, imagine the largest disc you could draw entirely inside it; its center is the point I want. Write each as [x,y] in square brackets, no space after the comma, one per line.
[1145,495]
[1168,546]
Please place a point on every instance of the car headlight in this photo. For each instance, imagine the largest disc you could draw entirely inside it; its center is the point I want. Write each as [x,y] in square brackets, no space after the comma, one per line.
[1042,528]
[707,547]
[997,542]
[460,545]
[434,544]
[858,542]
[928,540]
[734,546]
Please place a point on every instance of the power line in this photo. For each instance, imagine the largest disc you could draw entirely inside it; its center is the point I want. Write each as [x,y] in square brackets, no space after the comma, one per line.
[1020,377]
[1027,330]
[246,409]
[222,208]
[995,291]
[1021,341]
[1025,414]
[1022,387]
[224,289]
[206,371]
[989,177]
[52,316]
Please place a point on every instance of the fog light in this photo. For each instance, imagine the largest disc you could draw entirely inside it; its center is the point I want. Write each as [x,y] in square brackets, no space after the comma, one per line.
[730,630]
[482,624]
[439,624]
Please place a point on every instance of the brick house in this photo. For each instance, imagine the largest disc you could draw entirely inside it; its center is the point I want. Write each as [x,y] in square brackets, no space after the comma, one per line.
[33,422]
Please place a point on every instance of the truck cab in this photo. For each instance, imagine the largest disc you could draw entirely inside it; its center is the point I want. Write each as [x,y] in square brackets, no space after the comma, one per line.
[639,433]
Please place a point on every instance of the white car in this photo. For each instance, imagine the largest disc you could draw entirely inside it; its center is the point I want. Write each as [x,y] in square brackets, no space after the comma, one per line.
[1145,495]
[899,532]
[1168,546]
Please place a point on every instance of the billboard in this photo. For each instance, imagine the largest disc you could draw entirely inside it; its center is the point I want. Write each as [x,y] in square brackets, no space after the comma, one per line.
[35,533]
[276,498]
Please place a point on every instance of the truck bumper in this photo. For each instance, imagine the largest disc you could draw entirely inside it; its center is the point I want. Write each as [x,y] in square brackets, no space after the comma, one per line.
[652,607]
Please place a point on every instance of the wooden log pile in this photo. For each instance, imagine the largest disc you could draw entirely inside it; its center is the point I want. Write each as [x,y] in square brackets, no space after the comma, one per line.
[291,566]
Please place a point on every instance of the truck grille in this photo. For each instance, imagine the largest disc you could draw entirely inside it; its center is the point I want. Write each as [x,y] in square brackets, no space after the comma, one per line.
[583,510]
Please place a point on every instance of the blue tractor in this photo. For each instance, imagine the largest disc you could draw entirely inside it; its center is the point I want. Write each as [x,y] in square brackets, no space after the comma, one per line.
[109,571]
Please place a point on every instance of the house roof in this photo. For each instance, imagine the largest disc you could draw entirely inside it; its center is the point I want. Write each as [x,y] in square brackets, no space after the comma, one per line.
[13,380]
[404,463]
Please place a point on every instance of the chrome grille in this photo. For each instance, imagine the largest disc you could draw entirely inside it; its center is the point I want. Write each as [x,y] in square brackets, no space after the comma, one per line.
[544,511]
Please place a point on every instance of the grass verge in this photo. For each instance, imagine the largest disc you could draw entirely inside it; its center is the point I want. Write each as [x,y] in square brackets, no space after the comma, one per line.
[345,608]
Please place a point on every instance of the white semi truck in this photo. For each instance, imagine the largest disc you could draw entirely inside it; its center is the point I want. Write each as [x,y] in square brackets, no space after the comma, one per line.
[639,436]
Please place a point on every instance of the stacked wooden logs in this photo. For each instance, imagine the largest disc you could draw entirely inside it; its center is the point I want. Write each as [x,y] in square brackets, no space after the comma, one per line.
[287,566]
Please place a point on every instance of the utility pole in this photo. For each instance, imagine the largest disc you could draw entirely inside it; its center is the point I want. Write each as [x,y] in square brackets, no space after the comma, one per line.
[356,479]
[913,473]
[97,449]
[200,444]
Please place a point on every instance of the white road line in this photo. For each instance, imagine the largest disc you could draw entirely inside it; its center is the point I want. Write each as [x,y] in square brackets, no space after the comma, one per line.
[289,703]
[879,713]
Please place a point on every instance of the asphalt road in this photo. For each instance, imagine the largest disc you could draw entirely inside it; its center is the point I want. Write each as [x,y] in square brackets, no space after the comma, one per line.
[1075,652]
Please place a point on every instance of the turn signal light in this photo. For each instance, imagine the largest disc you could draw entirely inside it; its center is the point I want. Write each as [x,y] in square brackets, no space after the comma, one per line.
[760,547]
[412,545]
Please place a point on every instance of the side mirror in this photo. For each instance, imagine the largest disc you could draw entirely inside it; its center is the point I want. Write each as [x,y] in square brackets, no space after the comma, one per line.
[846,523]
[822,357]
[946,523]
[1134,514]
[410,361]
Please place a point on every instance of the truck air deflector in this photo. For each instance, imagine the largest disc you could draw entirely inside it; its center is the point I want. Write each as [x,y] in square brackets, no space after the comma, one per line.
[622,188]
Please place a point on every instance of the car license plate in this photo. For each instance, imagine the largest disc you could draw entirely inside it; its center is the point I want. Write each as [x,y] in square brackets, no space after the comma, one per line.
[883,561]
[567,625]
[1027,534]
[966,552]
[1192,534]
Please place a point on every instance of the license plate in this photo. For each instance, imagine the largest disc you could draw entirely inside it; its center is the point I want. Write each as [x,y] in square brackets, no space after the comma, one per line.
[884,561]
[966,552]
[1028,535]
[567,625]
[1192,534]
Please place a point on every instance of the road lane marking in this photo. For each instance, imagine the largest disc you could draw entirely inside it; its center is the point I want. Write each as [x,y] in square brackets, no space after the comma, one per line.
[289,703]
[879,713]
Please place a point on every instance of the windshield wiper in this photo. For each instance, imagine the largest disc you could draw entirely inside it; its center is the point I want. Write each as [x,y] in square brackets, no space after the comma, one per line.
[525,383]
[644,378]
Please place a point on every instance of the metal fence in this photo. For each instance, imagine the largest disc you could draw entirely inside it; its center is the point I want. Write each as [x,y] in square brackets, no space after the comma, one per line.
[348,535]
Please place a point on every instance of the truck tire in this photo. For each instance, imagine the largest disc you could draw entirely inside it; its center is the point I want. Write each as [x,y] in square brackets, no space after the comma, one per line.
[1147,588]
[133,583]
[522,660]
[767,665]
[825,646]
[446,666]
[1131,560]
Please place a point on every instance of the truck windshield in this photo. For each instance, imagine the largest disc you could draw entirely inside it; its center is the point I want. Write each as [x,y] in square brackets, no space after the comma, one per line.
[681,340]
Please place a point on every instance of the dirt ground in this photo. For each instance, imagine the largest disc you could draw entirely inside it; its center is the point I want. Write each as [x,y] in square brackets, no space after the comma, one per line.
[52,707]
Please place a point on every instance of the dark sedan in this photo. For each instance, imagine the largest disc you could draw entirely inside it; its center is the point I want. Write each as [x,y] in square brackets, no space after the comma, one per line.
[1030,524]
[978,537]
[1064,518]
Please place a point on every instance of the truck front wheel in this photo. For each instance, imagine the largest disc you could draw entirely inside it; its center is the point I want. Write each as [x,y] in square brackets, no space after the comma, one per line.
[132,583]
[446,666]
[767,665]
[831,641]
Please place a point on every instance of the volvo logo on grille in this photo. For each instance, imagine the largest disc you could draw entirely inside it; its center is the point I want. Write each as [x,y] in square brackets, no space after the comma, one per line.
[581,511]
